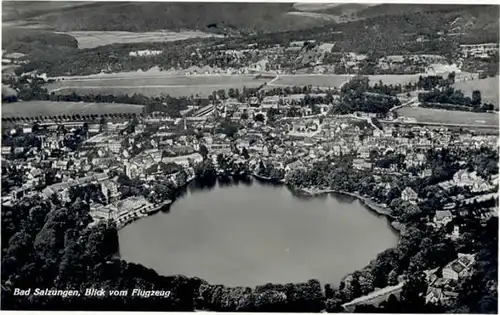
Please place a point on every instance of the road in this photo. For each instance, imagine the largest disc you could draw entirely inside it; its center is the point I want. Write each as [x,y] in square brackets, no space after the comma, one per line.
[375,298]
[439,124]
[408,103]
[275,78]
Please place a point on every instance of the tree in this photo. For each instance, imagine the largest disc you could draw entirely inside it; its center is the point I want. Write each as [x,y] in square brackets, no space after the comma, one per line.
[451,78]
[203,151]
[476,98]
[244,153]
[333,305]
[231,93]
[35,128]
[385,262]
[417,263]
[392,278]
[228,128]
[409,211]
[413,292]
[260,118]
[206,172]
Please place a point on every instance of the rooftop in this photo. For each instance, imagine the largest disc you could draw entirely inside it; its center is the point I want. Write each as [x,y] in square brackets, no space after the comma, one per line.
[441,214]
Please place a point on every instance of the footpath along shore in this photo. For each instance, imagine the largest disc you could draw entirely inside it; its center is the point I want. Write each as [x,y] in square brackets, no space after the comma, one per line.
[370,204]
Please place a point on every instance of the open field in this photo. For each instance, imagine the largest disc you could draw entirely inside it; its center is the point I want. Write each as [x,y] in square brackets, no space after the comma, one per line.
[393,79]
[47,108]
[315,15]
[402,79]
[321,80]
[155,85]
[432,115]
[92,39]
[336,80]
[314,6]
[152,91]
[488,87]
[332,8]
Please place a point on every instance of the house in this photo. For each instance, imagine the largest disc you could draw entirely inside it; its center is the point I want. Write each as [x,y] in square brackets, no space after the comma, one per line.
[436,295]
[133,169]
[442,217]
[19,193]
[388,132]
[298,164]
[463,178]
[425,173]
[94,128]
[110,190]
[18,150]
[6,150]
[184,160]
[456,232]
[481,186]
[409,195]
[221,147]
[377,133]
[459,268]
[242,144]
[412,160]
[364,152]
[254,101]
[361,164]
[27,130]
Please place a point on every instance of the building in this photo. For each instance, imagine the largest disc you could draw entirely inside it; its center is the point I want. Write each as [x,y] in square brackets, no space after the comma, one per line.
[361,164]
[442,217]
[184,160]
[459,268]
[425,173]
[110,190]
[479,50]
[409,195]
[6,150]
[456,232]
[254,101]
[59,188]
[436,295]
[19,193]
[221,147]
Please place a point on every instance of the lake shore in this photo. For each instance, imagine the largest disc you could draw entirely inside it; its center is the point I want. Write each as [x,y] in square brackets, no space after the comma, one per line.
[367,202]
[268,179]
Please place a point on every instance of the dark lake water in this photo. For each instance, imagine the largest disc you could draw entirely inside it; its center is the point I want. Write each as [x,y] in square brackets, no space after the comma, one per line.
[255,234]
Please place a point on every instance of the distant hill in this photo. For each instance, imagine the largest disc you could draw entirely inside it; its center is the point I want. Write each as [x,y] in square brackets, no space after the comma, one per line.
[25,40]
[332,8]
[347,9]
[15,10]
[404,8]
[151,16]
[411,29]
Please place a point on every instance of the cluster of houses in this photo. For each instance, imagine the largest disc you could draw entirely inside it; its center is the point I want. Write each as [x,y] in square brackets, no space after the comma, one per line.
[290,144]
[442,281]
[479,50]
[476,183]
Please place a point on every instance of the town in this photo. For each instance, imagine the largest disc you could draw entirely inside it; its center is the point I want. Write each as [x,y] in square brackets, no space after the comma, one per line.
[71,180]
[126,168]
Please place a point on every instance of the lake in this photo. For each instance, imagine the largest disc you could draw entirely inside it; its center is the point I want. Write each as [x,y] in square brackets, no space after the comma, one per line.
[252,234]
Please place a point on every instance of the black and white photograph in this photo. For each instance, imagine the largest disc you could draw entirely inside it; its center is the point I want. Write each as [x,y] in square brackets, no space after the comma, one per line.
[281,157]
